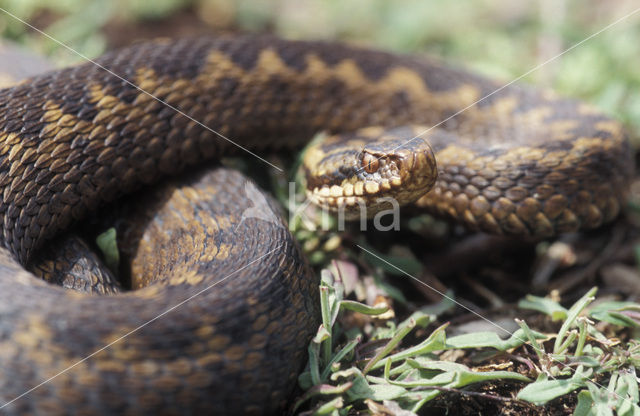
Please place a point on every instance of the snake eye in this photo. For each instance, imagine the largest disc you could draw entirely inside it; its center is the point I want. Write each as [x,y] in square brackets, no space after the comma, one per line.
[370,163]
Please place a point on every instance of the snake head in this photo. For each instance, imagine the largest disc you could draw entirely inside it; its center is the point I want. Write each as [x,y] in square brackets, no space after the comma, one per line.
[364,172]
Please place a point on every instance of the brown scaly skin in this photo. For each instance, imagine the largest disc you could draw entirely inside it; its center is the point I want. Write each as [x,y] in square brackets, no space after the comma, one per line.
[520,162]
[69,262]
[565,168]
[235,346]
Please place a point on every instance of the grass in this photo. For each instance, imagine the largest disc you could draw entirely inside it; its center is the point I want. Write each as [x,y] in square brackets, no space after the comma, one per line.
[345,376]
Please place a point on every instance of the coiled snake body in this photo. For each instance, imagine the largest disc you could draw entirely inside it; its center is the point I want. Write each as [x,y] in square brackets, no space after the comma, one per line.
[518,162]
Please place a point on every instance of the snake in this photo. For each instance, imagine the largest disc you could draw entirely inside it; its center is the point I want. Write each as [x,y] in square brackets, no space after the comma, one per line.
[226,303]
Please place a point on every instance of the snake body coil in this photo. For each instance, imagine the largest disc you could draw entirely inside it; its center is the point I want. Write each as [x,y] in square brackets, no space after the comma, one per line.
[519,162]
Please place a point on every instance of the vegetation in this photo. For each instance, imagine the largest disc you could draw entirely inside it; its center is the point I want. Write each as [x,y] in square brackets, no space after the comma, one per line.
[582,359]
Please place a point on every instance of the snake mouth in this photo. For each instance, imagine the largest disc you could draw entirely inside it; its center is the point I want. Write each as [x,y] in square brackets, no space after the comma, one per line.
[359,177]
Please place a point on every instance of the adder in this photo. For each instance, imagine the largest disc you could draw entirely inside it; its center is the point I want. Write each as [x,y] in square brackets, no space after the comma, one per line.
[226,304]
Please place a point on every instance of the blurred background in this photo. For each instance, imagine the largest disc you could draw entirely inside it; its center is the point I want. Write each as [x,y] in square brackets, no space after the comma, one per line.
[500,38]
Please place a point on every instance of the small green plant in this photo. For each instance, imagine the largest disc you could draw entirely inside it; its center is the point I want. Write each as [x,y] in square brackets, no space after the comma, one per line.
[338,380]
[583,358]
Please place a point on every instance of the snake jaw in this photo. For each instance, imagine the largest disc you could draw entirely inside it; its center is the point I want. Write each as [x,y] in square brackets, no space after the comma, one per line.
[353,183]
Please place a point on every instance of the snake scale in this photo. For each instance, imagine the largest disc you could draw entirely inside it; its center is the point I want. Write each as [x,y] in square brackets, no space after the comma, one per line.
[521,161]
